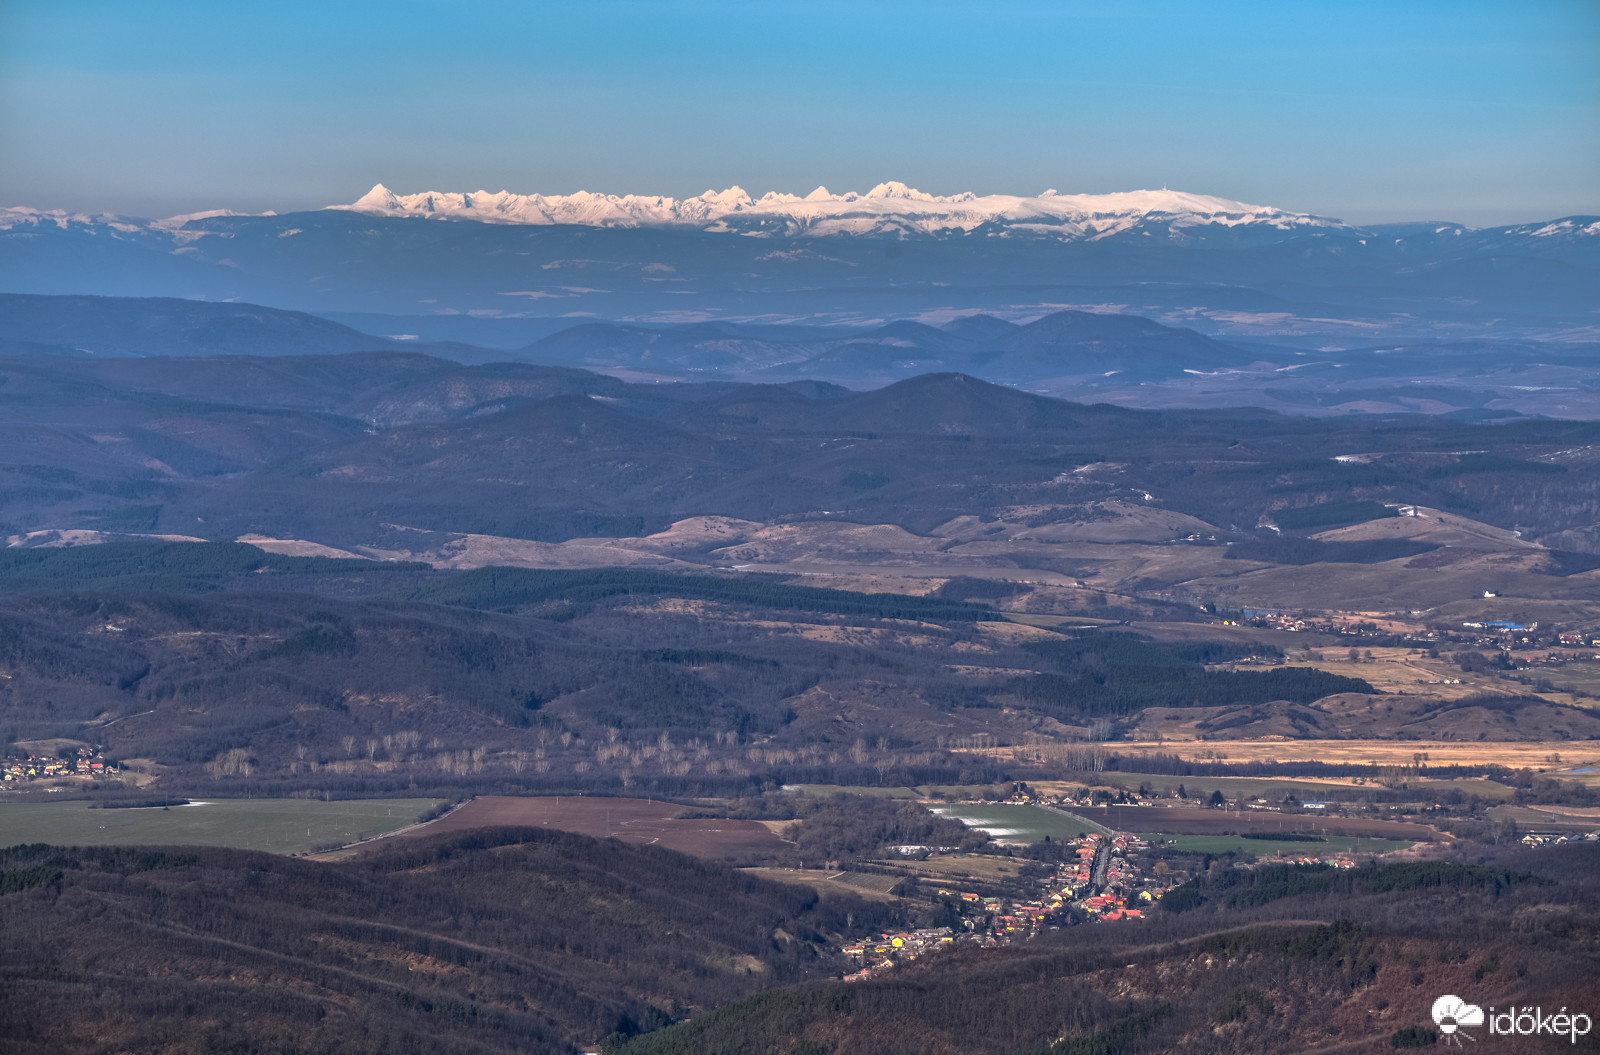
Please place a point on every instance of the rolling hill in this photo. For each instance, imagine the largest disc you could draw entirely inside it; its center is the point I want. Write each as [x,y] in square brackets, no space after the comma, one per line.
[487,941]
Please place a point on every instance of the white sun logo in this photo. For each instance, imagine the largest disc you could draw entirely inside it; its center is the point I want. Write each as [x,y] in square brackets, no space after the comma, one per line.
[1450,1013]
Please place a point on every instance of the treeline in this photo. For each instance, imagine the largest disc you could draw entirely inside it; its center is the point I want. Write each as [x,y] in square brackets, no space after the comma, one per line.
[1330,514]
[1239,888]
[205,673]
[1568,562]
[166,566]
[845,828]
[1056,996]
[507,589]
[1112,675]
[249,664]
[983,1006]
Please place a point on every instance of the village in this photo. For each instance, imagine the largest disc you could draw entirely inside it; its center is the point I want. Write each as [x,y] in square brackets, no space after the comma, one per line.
[1503,634]
[1103,883]
[83,763]
[1101,877]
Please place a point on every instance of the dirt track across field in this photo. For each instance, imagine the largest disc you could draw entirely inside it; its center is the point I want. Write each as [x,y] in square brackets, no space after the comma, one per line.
[631,820]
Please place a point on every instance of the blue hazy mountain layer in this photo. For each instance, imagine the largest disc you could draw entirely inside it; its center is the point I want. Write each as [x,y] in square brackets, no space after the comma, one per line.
[1419,278]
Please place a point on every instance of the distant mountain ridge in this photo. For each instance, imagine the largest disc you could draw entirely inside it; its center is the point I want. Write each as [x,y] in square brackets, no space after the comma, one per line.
[124,326]
[1062,344]
[1066,343]
[115,327]
[887,208]
[1097,356]
[338,449]
[1223,268]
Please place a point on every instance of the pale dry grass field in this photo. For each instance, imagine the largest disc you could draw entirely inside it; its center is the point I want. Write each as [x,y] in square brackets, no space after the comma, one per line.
[954,867]
[1269,788]
[1392,670]
[1512,754]
[1541,755]
[824,881]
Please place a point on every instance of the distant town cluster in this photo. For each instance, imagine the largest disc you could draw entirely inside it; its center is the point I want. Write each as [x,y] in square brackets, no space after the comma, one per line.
[1505,634]
[1112,877]
[83,763]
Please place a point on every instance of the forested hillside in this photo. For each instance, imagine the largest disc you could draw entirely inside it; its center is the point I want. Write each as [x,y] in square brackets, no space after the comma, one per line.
[1328,962]
[217,665]
[496,940]
[382,572]
[527,939]
[345,449]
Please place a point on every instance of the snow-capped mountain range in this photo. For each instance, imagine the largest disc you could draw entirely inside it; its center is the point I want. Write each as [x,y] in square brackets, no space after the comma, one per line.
[886,208]
[1192,260]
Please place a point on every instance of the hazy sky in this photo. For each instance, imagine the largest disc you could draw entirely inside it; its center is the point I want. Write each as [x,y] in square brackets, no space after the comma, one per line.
[1467,110]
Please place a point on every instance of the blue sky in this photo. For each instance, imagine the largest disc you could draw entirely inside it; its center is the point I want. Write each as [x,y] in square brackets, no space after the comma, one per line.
[1463,110]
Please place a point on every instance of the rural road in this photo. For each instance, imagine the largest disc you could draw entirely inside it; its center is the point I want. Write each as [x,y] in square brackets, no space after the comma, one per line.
[1102,861]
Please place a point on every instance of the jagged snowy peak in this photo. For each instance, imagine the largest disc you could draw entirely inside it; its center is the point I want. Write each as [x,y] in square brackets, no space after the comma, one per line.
[887,207]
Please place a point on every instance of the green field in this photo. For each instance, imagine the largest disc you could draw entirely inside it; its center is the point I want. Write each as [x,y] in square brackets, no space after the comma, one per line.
[1018,824]
[1482,787]
[1588,776]
[1223,844]
[1550,818]
[283,826]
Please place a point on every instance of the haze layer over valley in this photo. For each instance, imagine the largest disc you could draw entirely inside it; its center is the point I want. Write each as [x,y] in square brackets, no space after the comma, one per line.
[1144,298]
